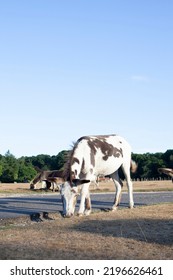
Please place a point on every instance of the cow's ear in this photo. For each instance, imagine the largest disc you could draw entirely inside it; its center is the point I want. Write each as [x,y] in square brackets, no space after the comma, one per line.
[78,182]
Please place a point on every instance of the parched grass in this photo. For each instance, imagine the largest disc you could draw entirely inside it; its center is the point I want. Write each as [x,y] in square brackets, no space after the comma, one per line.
[144,232]
[138,186]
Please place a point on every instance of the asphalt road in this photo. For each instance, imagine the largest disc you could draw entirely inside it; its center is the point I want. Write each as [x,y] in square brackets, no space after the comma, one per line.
[26,205]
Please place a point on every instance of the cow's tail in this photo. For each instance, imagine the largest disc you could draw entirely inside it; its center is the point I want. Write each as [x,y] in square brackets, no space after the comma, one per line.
[133,166]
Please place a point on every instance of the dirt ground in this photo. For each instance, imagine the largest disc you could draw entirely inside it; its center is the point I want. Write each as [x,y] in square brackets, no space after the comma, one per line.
[141,233]
[165,185]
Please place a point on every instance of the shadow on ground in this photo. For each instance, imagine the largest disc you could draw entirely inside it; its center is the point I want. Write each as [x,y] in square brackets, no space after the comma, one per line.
[148,230]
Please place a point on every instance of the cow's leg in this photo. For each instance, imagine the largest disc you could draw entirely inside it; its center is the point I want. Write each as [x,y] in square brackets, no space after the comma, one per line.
[85,202]
[118,185]
[32,186]
[44,184]
[126,170]
[53,186]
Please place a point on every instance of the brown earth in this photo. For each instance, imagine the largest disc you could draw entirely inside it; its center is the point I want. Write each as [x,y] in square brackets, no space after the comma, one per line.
[141,233]
[165,185]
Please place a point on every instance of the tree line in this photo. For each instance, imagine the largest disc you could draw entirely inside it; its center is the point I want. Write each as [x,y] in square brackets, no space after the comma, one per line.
[24,169]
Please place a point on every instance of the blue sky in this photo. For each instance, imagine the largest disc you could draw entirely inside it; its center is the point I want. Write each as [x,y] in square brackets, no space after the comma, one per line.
[70,68]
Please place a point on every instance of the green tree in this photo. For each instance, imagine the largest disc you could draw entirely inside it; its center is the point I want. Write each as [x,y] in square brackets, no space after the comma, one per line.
[61,159]
[26,171]
[10,168]
[42,162]
[168,158]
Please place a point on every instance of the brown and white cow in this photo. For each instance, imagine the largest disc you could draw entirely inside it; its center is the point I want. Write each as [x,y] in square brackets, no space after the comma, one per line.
[167,171]
[49,179]
[90,157]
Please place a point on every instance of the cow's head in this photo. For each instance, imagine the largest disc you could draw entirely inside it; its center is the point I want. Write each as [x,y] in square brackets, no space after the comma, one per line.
[69,193]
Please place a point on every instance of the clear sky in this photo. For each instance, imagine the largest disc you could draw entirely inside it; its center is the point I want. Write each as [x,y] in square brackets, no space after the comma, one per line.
[70,68]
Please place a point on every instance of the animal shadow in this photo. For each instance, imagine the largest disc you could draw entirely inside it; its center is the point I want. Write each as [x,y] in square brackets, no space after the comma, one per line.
[36,217]
[146,230]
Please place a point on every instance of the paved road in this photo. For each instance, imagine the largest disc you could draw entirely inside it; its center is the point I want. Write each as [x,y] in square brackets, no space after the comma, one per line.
[25,205]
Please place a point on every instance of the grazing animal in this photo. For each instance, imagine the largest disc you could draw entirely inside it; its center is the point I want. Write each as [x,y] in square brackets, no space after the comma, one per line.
[48,179]
[167,171]
[90,157]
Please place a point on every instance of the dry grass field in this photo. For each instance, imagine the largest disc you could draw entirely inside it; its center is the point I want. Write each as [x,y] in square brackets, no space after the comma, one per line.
[23,188]
[141,233]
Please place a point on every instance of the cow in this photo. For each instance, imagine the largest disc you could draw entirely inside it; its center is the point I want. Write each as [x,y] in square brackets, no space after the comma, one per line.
[90,157]
[50,179]
[167,171]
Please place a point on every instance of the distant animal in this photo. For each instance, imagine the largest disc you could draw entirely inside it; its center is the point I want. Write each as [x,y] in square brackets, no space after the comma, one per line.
[49,179]
[90,157]
[167,171]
